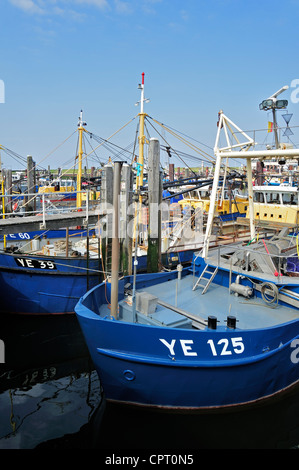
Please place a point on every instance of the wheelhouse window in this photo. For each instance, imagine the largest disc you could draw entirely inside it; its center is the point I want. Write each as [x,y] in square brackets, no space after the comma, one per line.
[290,198]
[258,196]
[273,198]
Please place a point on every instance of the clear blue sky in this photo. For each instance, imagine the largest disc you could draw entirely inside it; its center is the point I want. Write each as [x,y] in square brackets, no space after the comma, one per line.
[199,56]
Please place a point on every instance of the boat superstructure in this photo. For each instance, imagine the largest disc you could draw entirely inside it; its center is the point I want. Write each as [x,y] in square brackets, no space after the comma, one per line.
[276,204]
[58,189]
[266,264]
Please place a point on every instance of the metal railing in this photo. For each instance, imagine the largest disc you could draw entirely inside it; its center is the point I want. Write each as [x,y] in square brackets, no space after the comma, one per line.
[280,263]
[29,204]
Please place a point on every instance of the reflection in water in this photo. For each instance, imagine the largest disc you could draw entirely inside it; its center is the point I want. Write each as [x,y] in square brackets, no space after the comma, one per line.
[48,387]
[50,397]
[32,414]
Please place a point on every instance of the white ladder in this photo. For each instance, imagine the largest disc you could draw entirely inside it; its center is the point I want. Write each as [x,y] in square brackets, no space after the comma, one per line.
[208,275]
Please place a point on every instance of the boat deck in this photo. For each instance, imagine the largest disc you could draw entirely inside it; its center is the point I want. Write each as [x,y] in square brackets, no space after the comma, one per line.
[217,301]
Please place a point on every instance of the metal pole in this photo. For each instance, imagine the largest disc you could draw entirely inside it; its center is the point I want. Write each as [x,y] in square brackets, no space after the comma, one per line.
[212,206]
[288,153]
[115,239]
[275,128]
[250,197]
[87,257]
[87,205]
[44,211]
[141,136]
[67,242]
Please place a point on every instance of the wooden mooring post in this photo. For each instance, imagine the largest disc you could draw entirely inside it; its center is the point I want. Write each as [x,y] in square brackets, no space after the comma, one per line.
[154,207]
[106,202]
[115,240]
[126,216]
[31,184]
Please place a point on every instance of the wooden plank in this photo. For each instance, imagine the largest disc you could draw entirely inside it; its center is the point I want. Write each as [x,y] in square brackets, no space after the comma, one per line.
[52,222]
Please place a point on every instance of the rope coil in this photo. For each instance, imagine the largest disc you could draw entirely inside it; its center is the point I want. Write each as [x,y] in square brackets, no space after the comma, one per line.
[272,295]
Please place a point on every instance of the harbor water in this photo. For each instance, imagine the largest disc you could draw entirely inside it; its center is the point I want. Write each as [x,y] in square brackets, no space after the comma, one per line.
[51,398]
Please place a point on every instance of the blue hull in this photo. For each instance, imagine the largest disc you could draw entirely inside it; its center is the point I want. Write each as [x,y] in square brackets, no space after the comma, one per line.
[39,285]
[184,368]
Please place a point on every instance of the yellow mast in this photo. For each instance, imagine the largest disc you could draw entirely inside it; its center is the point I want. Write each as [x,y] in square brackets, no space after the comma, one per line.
[80,154]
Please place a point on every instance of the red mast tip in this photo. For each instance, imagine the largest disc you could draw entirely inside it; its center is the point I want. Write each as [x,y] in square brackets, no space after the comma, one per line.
[143,78]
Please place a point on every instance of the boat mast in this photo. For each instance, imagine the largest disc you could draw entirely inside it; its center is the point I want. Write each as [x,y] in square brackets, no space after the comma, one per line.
[275,127]
[273,103]
[142,114]
[80,154]
[227,152]
[139,183]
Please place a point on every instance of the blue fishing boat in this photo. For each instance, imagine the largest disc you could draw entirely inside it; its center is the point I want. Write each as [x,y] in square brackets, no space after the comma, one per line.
[194,353]
[212,336]
[41,285]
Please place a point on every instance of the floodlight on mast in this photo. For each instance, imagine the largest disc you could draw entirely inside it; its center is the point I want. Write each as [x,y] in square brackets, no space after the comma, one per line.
[273,103]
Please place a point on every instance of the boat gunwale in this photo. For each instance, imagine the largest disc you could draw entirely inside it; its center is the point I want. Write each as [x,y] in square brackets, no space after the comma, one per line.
[173,362]
[49,272]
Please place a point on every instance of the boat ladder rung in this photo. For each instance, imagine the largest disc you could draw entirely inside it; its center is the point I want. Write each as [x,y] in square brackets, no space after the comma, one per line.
[208,276]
